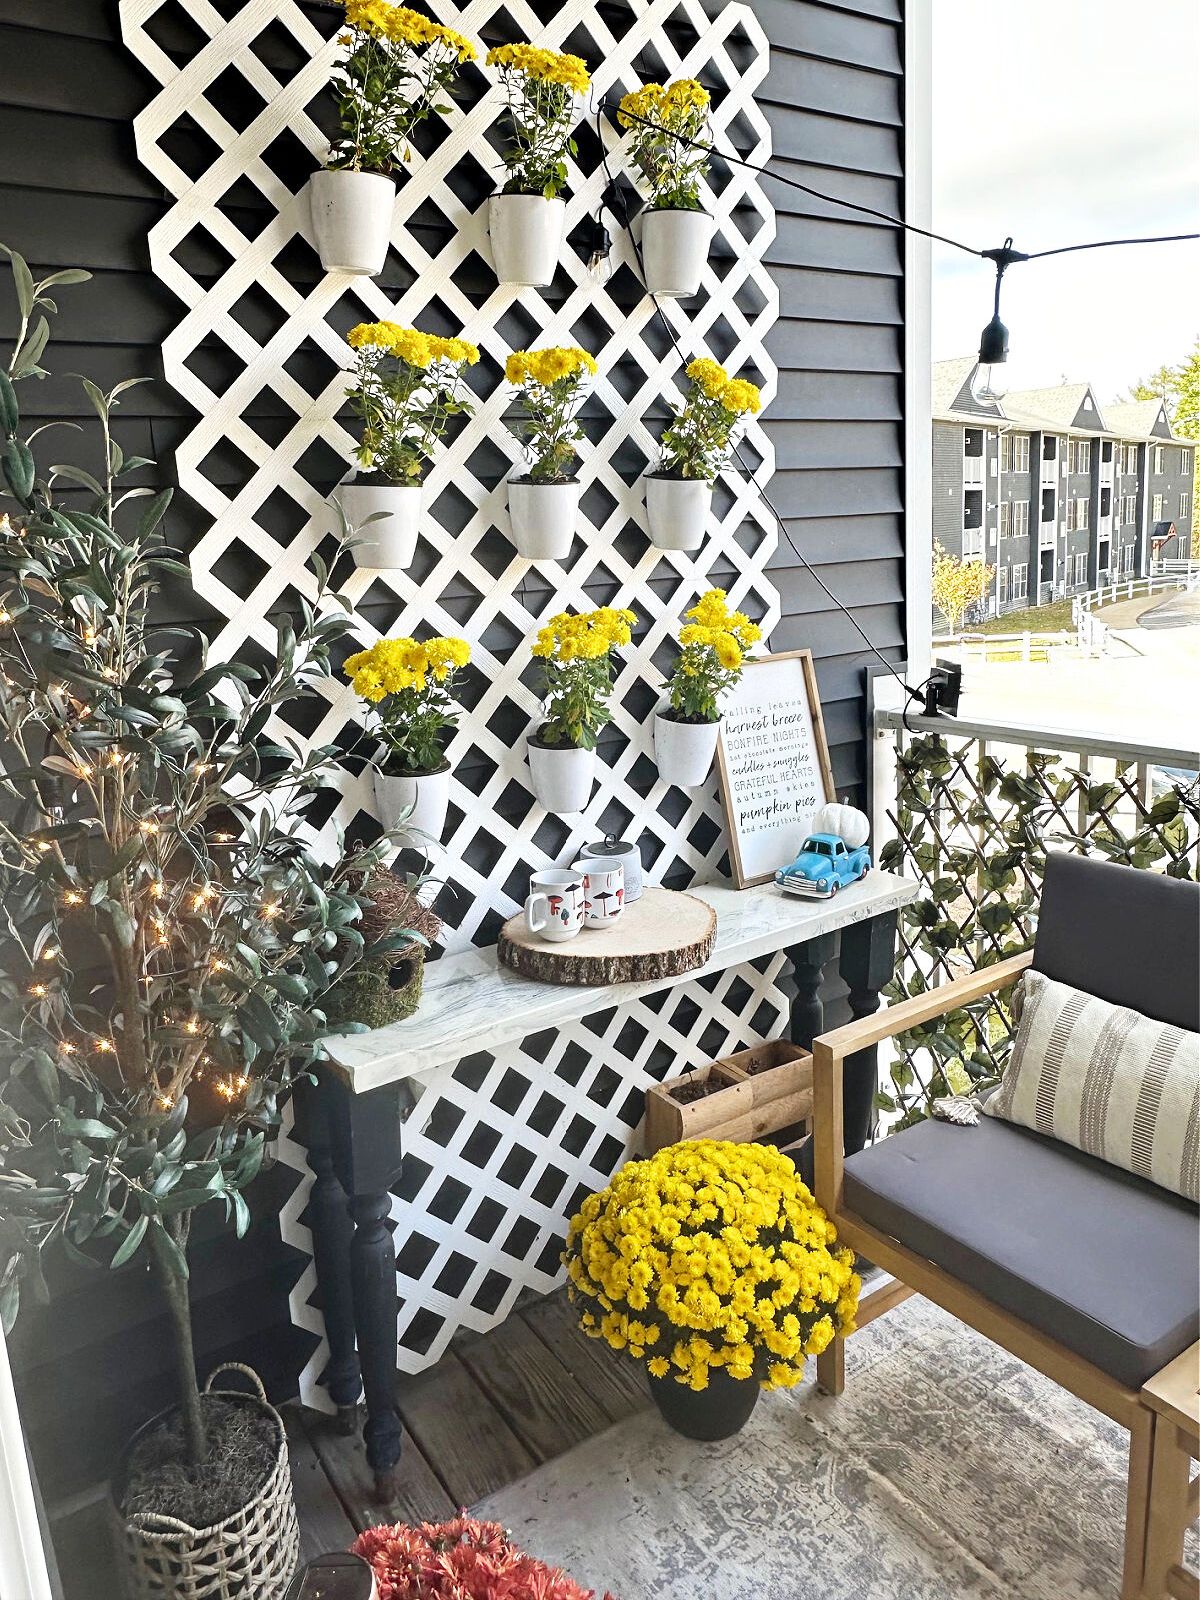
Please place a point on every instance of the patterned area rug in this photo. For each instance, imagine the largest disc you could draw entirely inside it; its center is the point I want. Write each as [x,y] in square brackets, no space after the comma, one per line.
[947,1471]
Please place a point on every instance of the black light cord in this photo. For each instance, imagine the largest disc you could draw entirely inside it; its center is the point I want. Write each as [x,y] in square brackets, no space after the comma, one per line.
[616,198]
[885,217]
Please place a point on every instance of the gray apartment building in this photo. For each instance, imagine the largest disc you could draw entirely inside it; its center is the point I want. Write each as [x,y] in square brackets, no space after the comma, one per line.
[1057,495]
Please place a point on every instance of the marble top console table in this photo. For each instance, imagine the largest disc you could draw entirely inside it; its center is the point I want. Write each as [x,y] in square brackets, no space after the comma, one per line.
[352,1120]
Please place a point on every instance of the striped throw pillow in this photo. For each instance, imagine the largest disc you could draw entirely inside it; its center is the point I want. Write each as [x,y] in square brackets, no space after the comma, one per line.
[1106,1080]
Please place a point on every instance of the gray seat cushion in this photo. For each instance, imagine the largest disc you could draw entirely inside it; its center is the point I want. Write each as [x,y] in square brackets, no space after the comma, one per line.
[1100,1260]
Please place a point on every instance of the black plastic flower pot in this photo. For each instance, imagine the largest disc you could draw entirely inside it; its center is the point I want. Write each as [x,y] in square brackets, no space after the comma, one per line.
[717,1412]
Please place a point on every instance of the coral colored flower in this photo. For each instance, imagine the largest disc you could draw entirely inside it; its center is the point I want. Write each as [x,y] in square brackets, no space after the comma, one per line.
[460,1560]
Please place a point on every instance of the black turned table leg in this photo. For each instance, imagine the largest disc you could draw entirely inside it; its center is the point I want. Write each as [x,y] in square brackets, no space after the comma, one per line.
[332,1231]
[367,1159]
[868,960]
[808,963]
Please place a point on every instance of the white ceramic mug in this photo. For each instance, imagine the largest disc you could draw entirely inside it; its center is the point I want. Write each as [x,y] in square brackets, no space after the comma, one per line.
[554,909]
[603,891]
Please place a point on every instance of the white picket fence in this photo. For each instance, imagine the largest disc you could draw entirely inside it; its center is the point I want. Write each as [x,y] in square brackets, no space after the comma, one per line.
[1094,635]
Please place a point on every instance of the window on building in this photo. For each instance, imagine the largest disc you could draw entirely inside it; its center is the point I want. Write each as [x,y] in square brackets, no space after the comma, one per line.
[1071,504]
[1156,508]
[1158,460]
[1021,453]
[1130,512]
[1185,506]
[1002,585]
[1006,519]
[1081,567]
[1020,516]
[1127,558]
[1185,463]
[1006,452]
[1084,515]
[1129,459]
[1084,462]
[1072,455]
[1020,581]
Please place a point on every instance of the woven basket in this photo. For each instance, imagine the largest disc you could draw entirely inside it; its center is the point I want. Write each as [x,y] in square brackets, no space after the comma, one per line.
[249,1555]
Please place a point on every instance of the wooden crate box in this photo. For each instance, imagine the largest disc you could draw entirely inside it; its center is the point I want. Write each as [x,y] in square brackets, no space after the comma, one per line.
[763,1090]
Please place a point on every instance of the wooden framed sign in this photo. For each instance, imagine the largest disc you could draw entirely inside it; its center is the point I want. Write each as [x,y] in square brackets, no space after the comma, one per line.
[774,763]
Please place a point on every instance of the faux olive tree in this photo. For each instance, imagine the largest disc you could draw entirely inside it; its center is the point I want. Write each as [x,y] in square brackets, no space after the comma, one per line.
[167,931]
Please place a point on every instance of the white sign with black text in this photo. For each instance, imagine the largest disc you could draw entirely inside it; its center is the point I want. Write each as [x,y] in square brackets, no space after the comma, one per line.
[774,763]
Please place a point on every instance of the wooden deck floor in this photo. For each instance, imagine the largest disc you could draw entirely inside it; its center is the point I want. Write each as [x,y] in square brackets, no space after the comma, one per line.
[493,1408]
[496,1406]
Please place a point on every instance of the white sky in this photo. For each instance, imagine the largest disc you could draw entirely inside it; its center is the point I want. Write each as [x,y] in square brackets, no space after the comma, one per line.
[1058,121]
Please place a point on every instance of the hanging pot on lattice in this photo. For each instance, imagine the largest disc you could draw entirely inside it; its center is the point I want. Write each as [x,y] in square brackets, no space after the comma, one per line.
[526,231]
[352,220]
[385,519]
[416,800]
[249,1554]
[684,751]
[543,517]
[677,510]
[675,245]
[561,776]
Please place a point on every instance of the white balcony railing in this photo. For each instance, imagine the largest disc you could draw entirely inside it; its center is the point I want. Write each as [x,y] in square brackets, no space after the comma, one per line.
[972,471]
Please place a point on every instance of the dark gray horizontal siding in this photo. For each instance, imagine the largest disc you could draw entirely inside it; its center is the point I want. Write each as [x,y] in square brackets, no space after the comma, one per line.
[834,98]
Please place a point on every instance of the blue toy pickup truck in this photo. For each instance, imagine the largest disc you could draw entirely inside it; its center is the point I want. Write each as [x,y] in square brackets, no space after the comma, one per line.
[824,865]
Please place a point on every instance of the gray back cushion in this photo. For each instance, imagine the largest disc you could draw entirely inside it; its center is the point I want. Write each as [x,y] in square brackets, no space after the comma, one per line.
[1130,936]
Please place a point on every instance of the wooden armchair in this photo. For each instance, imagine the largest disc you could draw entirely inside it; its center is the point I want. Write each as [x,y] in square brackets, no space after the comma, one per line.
[1012,1232]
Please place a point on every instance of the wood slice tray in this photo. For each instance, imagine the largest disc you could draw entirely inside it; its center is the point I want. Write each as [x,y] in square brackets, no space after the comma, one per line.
[661,935]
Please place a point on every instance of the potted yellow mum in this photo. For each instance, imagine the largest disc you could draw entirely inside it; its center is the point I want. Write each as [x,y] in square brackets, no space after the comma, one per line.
[712,1265]
[409,684]
[527,218]
[406,387]
[667,140]
[395,68]
[695,446]
[543,503]
[712,647]
[575,649]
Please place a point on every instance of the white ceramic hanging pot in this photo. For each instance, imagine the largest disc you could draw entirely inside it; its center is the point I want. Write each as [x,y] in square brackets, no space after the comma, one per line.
[562,776]
[675,247]
[352,220]
[543,517]
[527,233]
[677,511]
[684,750]
[391,540]
[418,800]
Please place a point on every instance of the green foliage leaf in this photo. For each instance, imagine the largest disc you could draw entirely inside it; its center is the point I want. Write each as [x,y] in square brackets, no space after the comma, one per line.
[10,411]
[16,461]
[130,1242]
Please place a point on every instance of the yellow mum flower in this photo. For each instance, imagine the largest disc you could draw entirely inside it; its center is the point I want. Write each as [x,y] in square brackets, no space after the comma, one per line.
[547,366]
[708,375]
[370,335]
[741,397]
[729,652]
[548,66]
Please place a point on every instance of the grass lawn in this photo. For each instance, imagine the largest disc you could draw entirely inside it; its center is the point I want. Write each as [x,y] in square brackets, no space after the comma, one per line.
[1055,618]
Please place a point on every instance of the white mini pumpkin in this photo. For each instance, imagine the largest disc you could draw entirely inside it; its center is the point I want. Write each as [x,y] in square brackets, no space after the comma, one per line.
[847,822]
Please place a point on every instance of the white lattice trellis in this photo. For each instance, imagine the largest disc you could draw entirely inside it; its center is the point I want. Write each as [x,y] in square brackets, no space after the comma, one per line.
[465,563]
